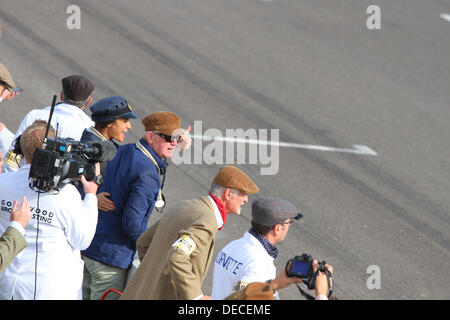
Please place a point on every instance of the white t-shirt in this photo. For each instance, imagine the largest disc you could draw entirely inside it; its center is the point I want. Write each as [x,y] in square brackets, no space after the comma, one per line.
[243,260]
[68,119]
[67,225]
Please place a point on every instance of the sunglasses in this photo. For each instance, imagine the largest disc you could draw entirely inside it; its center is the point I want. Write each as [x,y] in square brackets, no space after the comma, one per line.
[169,138]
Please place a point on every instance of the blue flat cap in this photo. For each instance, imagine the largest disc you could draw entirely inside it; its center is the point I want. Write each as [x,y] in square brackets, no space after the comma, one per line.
[111,108]
[271,211]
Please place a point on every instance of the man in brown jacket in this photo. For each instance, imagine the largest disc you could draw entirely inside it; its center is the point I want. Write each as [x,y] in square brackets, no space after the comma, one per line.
[177,250]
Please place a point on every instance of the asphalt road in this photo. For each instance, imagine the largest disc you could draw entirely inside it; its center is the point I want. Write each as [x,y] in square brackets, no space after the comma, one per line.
[313,70]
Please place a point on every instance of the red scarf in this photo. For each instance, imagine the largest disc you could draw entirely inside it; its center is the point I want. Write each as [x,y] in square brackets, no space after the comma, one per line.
[221,207]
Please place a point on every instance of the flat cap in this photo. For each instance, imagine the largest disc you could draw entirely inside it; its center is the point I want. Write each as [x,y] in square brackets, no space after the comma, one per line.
[270,211]
[254,291]
[232,177]
[77,88]
[111,108]
[5,77]
[162,121]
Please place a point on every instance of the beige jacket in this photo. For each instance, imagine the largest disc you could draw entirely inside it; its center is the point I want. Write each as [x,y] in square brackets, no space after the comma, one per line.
[12,243]
[167,271]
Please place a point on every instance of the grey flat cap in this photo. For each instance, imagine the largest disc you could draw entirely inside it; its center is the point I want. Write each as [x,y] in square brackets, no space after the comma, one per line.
[271,211]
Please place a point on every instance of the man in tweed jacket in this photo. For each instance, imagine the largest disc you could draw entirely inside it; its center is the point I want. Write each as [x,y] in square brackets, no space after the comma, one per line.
[177,250]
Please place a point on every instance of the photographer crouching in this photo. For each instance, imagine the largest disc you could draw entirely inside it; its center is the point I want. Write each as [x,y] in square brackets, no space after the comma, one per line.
[245,269]
[61,225]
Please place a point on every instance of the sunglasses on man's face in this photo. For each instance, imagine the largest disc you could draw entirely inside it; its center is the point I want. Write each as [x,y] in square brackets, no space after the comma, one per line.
[169,138]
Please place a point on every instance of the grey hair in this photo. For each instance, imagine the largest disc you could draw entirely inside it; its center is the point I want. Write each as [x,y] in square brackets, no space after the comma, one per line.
[79,104]
[218,191]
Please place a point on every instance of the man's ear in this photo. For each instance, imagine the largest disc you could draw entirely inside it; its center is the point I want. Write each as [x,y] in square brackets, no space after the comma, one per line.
[149,137]
[227,193]
[88,102]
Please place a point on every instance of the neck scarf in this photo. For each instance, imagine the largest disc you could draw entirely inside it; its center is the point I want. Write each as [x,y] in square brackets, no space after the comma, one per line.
[271,250]
[221,208]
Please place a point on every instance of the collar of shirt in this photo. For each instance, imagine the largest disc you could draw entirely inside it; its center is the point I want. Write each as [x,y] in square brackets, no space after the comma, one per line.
[216,213]
[162,164]
[270,248]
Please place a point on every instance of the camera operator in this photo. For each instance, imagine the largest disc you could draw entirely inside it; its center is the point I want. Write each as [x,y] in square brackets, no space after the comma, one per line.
[251,258]
[50,267]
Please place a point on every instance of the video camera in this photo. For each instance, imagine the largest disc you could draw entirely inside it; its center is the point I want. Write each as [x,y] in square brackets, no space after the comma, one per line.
[61,159]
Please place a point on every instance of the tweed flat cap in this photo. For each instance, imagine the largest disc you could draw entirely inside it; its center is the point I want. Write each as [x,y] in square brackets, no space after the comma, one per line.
[232,177]
[5,77]
[271,211]
[254,291]
[77,88]
[162,121]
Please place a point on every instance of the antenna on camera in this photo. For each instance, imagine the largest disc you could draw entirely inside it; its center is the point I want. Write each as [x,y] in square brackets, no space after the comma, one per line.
[52,109]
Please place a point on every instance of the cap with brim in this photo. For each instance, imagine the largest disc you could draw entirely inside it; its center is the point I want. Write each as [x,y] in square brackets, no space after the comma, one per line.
[162,121]
[5,77]
[270,211]
[232,177]
[77,88]
[111,108]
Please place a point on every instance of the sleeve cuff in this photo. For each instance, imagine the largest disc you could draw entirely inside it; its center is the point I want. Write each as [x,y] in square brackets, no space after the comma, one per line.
[17,226]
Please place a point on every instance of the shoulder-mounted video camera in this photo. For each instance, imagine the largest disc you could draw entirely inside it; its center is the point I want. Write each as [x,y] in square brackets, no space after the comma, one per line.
[301,267]
[62,159]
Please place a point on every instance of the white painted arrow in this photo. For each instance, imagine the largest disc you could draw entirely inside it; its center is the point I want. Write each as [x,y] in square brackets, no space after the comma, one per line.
[445,16]
[357,148]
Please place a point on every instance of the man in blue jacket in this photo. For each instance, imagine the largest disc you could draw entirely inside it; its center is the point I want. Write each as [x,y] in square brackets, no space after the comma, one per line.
[134,179]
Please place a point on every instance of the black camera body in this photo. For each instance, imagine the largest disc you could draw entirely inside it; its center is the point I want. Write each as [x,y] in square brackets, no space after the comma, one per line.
[65,158]
[301,267]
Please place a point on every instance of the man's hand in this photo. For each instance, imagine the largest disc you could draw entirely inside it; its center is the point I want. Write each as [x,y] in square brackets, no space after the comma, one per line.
[6,94]
[104,203]
[282,280]
[23,214]
[91,186]
[186,140]
[322,279]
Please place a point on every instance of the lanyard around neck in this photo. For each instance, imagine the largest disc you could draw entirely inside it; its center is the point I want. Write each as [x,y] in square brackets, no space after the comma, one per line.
[159,204]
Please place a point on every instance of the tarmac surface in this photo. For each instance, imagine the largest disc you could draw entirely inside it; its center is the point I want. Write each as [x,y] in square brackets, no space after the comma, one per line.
[315,71]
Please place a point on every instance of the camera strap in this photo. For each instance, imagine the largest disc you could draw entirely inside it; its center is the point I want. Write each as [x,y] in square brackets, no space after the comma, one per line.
[313,284]
[160,203]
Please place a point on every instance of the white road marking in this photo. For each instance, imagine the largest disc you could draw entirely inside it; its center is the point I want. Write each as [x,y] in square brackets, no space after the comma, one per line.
[445,16]
[357,148]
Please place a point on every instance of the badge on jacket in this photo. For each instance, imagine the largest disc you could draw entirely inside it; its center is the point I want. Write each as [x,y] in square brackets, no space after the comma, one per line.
[186,244]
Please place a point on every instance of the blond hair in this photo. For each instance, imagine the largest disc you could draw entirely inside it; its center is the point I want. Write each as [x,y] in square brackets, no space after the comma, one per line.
[33,137]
